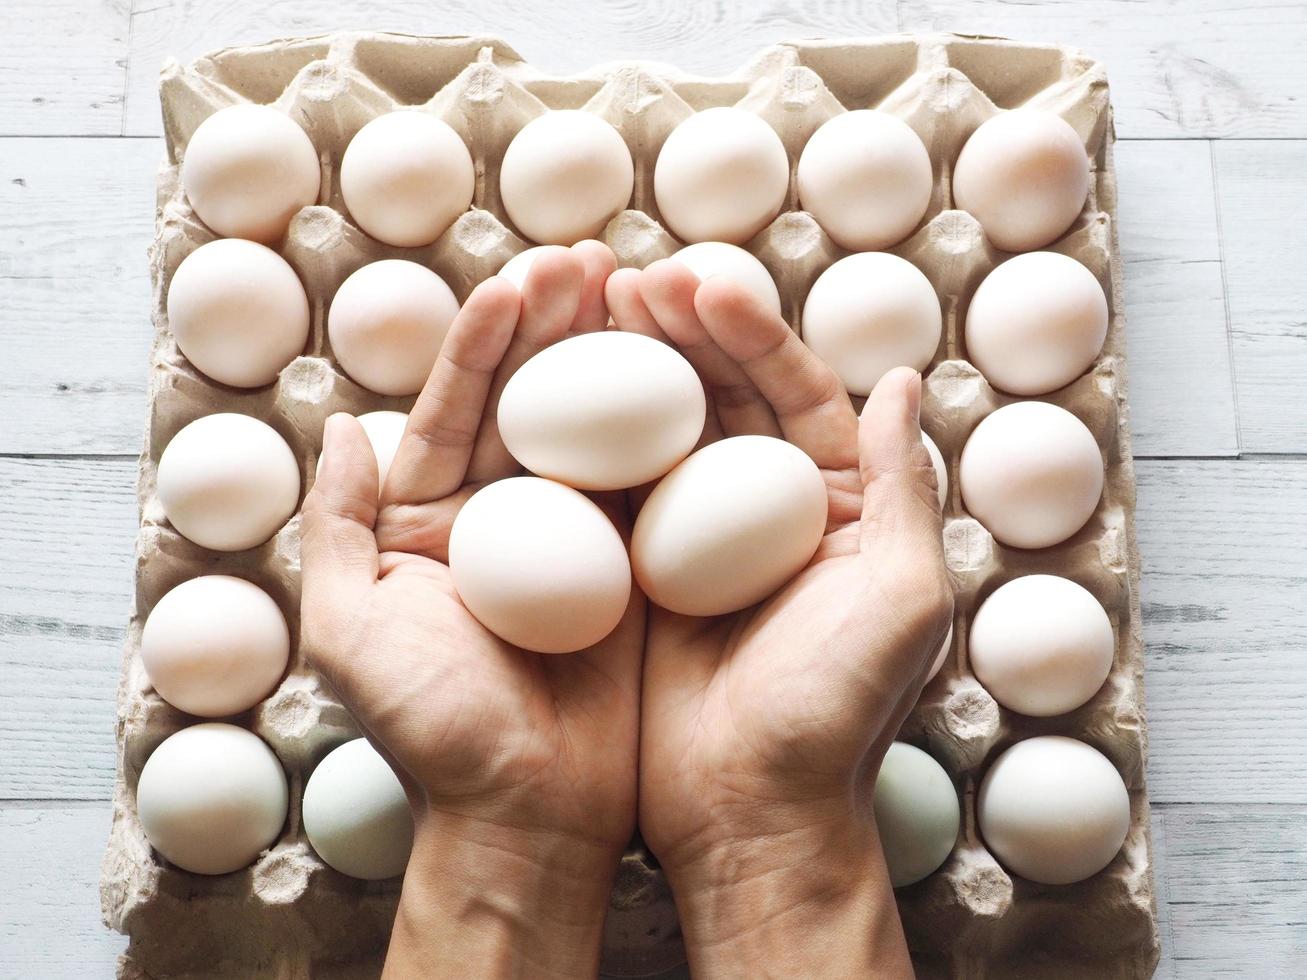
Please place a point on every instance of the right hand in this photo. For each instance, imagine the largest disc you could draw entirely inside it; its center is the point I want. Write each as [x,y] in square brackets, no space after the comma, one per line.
[520,767]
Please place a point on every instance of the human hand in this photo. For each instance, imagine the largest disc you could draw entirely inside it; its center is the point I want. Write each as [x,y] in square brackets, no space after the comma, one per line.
[762,731]
[520,767]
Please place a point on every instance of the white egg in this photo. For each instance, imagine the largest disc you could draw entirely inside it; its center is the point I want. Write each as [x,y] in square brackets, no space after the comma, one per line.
[941,470]
[1053,810]
[602,411]
[731,262]
[228,482]
[1036,323]
[211,798]
[729,526]
[238,312]
[384,431]
[722,175]
[215,645]
[1024,175]
[1041,645]
[565,175]
[405,177]
[516,269]
[866,177]
[938,663]
[247,170]
[941,482]
[356,815]
[869,313]
[1032,474]
[539,565]
[387,322]
[917,813]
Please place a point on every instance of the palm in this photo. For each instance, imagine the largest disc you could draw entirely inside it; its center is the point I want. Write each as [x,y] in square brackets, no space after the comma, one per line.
[466,717]
[485,719]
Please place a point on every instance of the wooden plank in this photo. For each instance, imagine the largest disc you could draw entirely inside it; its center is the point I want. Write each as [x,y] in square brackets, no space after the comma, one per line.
[1262,185]
[1175,301]
[1232,903]
[1178,68]
[50,906]
[63,67]
[1225,627]
[563,37]
[76,216]
[66,527]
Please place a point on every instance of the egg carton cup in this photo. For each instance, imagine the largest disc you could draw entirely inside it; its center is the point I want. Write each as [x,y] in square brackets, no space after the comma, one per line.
[289,916]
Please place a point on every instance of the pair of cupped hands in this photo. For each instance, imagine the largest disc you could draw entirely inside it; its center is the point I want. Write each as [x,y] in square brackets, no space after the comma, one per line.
[745,746]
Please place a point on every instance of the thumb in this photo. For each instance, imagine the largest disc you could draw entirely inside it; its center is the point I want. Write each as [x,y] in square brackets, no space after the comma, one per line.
[337,546]
[900,502]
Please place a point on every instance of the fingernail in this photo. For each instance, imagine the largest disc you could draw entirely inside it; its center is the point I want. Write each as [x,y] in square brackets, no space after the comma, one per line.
[914,396]
[331,432]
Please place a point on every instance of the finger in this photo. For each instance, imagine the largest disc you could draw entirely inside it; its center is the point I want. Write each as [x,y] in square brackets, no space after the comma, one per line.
[628,308]
[341,509]
[631,314]
[900,505]
[668,289]
[338,553]
[807,397]
[599,262]
[551,298]
[433,455]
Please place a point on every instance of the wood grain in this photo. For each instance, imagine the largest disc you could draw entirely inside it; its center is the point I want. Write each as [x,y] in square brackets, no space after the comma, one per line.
[1178,68]
[1225,627]
[76,217]
[63,67]
[1262,186]
[50,906]
[66,529]
[1175,306]
[1232,902]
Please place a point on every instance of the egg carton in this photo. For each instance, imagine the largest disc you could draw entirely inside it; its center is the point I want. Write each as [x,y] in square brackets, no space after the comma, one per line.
[289,916]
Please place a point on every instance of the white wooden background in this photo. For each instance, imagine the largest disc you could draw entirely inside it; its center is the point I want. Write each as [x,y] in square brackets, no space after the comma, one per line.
[1211,101]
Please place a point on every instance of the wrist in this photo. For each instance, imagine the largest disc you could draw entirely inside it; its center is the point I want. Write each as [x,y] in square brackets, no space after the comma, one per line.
[806,894]
[483,899]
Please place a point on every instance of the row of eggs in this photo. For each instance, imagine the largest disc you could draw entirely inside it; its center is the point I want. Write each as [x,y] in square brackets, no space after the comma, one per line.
[1035,324]
[239,314]
[213,796]
[216,645]
[1030,472]
[721,175]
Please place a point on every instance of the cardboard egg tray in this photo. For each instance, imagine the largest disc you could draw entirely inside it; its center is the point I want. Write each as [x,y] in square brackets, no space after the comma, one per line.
[289,916]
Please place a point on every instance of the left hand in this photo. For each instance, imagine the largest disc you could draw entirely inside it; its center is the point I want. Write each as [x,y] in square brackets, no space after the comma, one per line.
[762,731]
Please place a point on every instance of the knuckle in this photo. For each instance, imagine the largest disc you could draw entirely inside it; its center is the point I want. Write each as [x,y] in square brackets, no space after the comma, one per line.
[923,593]
[448,434]
[735,395]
